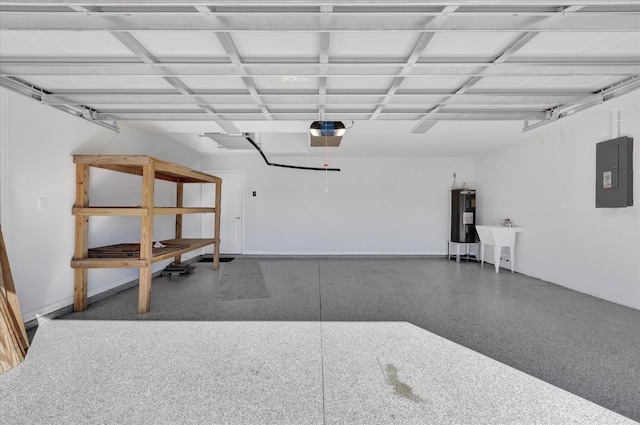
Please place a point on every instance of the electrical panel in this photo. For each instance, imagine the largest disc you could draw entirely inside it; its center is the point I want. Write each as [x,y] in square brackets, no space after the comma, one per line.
[614,173]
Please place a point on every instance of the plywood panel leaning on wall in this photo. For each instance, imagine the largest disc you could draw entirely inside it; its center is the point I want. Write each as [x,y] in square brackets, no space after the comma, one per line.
[10,352]
[13,337]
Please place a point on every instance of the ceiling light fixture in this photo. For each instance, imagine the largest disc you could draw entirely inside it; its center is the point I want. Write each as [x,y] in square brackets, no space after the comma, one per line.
[294,79]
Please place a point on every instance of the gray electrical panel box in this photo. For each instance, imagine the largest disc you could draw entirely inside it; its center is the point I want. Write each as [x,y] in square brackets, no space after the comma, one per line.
[614,173]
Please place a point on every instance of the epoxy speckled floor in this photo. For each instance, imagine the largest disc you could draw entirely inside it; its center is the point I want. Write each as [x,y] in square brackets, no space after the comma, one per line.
[330,341]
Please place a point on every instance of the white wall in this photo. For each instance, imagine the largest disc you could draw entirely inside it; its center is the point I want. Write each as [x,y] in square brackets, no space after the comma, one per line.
[376,205]
[545,181]
[36,162]
[373,206]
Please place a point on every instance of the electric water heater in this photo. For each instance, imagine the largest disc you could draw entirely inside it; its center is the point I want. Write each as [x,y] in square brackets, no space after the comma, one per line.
[463,215]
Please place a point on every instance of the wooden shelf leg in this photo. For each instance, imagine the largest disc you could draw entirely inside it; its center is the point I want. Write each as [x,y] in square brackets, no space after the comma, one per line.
[216,225]
[146,237]
[80,289]
[144,292]
[179,204]
[81,238]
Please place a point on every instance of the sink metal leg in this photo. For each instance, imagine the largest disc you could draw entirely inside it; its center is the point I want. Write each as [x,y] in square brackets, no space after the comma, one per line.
[513,259]
[481,255]
[496,257]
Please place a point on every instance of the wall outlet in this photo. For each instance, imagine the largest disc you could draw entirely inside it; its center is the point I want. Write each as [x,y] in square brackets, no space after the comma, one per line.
[42,204]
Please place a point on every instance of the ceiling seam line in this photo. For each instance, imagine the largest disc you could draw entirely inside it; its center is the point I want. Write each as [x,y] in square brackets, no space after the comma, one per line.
[417,50]
[504,55]
[131,43]
[234,55]
[508,52]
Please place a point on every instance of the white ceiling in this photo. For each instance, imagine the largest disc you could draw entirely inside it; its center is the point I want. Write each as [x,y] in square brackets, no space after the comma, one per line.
[409,77]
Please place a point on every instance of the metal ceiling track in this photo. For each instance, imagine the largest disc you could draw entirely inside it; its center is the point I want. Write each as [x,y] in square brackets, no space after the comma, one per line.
[321,16]
[33,92]
[598,98]
[478,114]
[36,93]
[314,3]
[378,22]
[364,69]
[225,101]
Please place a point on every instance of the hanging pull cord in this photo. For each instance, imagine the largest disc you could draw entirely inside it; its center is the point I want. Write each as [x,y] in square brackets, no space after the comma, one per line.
[326,164]
[296,167]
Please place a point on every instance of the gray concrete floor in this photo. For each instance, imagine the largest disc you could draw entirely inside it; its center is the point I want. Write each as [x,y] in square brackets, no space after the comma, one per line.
[584,345]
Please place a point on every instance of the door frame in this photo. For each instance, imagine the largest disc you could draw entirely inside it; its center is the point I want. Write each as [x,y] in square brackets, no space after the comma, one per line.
[242,203]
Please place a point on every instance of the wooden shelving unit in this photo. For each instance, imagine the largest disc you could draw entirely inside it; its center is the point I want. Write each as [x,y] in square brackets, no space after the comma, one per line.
[149,169]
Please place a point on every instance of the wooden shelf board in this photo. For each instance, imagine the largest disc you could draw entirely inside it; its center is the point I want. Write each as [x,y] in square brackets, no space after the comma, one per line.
[119,211]
[131,250]
[121,168]
[183,210]
[139,211]
[193,244]
[133,160]
[127,262]
[108,263]
[183,174]
[133,164]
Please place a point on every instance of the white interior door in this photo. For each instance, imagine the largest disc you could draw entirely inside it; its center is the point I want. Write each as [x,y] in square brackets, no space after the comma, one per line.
[231,215]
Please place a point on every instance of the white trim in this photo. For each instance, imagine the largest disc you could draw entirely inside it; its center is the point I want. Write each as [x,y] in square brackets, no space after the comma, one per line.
[603,296]
[347,253]
[47,309]
[242,202]
[68,301]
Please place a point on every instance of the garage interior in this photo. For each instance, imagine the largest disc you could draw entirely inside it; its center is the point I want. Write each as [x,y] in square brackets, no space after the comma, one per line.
[338,302]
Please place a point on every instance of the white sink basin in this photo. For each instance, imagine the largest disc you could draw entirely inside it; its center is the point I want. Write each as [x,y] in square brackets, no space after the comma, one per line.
[499,237]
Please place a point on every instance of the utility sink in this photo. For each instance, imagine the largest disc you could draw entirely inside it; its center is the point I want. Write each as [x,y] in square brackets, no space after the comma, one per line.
[499,237]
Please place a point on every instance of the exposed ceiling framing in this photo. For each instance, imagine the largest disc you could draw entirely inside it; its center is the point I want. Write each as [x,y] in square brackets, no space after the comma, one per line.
[305,60]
